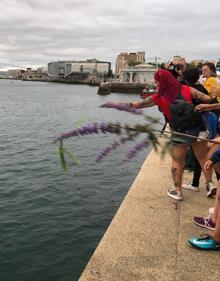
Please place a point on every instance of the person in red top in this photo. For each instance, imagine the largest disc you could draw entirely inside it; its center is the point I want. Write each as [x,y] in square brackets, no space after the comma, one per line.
[164,103]
[167,91]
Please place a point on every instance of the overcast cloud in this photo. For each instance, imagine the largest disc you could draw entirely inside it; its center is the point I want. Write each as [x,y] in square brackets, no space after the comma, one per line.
[35,32]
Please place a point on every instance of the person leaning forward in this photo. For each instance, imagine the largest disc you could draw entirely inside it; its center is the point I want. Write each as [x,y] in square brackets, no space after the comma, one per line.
[167,91]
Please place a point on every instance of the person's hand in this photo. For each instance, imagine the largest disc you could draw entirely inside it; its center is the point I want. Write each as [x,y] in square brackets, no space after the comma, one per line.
[216,91]
[202,107]
[208,165]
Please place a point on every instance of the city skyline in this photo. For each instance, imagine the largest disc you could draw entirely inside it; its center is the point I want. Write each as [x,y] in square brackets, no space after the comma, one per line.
[34,33]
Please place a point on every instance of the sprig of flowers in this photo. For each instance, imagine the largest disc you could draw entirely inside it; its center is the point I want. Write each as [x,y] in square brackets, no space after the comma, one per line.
[88,129]
[128,133]
[106,151]
[136,149]
[123,107]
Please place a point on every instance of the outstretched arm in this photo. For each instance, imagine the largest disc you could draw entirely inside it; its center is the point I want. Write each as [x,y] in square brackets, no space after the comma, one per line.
[148,102]
[199,95]
[139,104]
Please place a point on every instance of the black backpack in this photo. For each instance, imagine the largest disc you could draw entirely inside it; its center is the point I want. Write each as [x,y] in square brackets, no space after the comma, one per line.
[183,115]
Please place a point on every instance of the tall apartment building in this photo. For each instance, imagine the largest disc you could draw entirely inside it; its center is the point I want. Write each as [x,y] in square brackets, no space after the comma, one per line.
[124,58]
[141,57]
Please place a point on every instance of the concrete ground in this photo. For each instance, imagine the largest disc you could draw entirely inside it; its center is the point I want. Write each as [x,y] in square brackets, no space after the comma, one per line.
[147,239]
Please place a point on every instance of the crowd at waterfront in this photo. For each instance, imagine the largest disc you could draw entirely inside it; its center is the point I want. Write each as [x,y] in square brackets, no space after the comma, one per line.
[175,83]
[66,113]
[172,81]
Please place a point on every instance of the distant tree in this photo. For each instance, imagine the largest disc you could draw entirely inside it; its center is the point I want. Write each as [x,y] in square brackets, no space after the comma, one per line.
[161,65]
[190,65]
[133,63]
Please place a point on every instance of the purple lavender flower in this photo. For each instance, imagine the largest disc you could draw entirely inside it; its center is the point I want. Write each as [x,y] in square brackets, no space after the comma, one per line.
[123,107]
[106,151]
[90,129]
[93,128]
[67,135]
[137,148]
[102,154]
[104,127]
[115,145]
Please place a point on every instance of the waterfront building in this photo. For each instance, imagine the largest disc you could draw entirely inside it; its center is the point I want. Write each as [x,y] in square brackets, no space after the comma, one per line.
[124,59]
[3,74]
[15,73]
[141,73]
[88,70]
[28,74]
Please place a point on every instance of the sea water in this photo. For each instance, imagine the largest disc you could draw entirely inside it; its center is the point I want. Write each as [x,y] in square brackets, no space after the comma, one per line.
[51,221]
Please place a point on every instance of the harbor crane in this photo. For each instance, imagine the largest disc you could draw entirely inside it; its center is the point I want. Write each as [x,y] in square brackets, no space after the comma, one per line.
[156,58]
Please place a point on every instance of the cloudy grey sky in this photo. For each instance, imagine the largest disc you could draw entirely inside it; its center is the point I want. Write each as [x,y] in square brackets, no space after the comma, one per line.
[35,32]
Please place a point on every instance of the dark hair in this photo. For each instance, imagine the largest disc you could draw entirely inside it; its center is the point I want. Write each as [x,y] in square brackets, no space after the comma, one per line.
[191,75]
[211,66]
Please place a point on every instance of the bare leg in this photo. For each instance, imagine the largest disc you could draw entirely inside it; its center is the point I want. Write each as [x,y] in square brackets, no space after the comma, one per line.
[217,204]
[216,215]
[178,157]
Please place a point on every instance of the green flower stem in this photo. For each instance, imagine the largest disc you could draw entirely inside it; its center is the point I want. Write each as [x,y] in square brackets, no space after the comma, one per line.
[190,136]
[146,129]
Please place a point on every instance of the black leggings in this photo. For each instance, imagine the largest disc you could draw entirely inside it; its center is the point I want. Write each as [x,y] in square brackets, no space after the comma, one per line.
[197,172]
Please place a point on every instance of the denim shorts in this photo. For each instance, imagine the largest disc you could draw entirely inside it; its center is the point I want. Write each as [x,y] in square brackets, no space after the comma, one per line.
[175,139]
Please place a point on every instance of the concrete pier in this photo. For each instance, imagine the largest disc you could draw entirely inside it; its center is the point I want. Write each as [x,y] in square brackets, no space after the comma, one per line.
[147,239]
[117,87]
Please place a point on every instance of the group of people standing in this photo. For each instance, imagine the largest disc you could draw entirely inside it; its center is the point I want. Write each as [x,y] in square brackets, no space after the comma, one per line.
[202,91]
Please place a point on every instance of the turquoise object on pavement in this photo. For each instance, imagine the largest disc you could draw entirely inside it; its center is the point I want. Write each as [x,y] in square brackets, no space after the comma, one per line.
[204,242]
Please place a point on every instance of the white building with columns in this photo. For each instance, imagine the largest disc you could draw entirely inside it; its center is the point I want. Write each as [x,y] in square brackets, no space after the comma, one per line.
[141,73]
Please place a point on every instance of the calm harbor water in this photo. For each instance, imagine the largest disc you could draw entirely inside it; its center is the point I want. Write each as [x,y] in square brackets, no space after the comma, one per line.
[51,222]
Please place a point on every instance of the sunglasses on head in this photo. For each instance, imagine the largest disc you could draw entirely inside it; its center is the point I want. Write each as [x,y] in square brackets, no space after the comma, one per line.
[176,67]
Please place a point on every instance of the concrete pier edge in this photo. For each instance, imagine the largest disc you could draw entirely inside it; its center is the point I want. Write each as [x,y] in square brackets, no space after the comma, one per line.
[147,238]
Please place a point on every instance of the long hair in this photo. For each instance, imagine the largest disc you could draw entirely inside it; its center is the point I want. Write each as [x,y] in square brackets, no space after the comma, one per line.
[169,87]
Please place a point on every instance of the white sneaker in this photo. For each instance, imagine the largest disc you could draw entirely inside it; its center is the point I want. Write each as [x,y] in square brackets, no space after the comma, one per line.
[190,187]
[203,135]
[174,194]
[210,189]
[211,211]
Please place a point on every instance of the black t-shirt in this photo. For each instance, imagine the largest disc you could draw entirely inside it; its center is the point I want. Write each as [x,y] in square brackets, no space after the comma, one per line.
[200,88]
